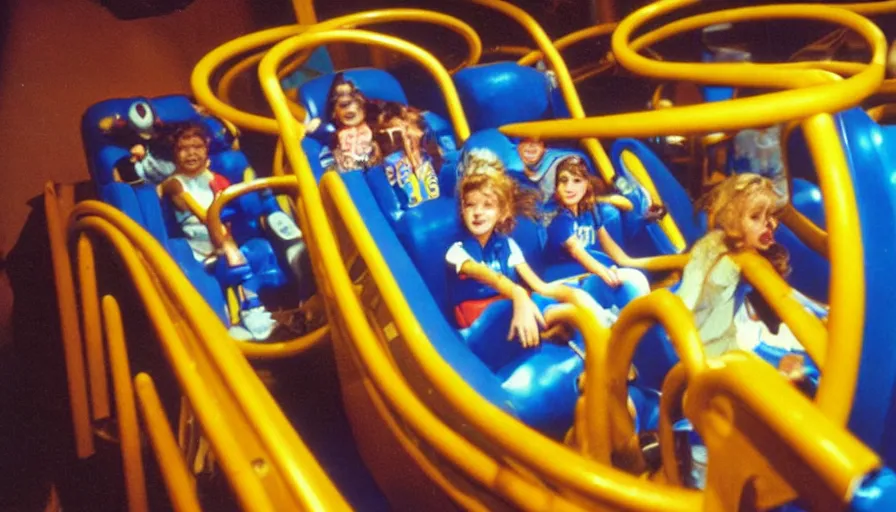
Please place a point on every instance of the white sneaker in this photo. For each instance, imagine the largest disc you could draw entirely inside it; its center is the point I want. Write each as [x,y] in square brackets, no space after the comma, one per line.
[258,321]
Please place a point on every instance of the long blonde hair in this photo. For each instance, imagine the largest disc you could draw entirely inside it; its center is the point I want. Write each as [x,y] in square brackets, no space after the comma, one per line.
[725,207]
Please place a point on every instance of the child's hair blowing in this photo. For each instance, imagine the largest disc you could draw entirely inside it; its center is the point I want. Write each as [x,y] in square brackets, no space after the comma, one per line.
[512,201]
[725,206]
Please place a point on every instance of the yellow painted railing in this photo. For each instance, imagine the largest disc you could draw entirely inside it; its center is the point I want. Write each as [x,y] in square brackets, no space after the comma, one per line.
[823,94]
[740,404]
[205,69]
[257,449]
[597,483]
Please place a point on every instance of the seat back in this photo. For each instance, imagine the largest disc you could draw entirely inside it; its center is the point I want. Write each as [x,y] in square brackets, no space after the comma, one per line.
[872,162]
[503,92]
[106,148]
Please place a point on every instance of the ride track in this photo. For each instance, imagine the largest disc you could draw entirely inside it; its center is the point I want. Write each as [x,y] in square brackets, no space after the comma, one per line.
[478,455]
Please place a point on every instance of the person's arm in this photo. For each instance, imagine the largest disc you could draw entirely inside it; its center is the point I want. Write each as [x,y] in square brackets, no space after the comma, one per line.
[183,201]
[580,254]
[526,318]
[613,249]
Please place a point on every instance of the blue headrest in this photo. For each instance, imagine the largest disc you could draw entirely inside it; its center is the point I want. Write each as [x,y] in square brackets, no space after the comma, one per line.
[872,164]
[375,84]
[104,151]
[501,93]
[230,164]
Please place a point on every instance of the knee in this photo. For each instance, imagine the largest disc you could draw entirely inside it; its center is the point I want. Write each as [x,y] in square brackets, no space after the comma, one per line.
[635,280]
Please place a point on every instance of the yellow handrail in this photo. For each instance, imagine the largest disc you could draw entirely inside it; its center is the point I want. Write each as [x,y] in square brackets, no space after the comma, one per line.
[736,405]
[93,330]
[234,463]
[306,481]
[204,70]
[844,240]
[607,390]
[56,208]
[430,63]
[128,430]
[594,481]
[569,40]
[280,184]
[175,473]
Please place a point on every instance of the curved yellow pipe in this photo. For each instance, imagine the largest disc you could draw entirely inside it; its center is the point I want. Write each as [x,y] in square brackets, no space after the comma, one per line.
[573,103]
[569,40]
[430,63]
[590,479]
[307,481]
[202,73]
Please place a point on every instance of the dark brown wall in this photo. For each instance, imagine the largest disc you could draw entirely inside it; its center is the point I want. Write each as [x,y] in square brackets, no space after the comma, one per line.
[60,56]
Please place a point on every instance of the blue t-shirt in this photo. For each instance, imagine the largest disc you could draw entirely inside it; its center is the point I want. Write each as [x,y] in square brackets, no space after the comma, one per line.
[566,225]
[501,254]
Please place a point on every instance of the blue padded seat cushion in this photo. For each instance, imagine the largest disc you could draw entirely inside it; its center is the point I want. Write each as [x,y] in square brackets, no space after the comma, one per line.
[445,339]
[501,93]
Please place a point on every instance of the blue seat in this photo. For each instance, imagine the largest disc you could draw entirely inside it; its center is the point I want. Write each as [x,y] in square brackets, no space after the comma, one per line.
[538,385]
[375,84]
[105,150]
[504,92]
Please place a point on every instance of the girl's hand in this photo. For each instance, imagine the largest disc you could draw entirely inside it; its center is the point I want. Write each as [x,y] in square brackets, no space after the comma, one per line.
[526,319]
[138,152]
[610,276]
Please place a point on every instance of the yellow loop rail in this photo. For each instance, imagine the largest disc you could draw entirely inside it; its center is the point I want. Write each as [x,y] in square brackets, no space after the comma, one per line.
[281,184]
[607,390]
[430,63]
[304,480]
[735,405]
[573,103]
[175,472]
[202,73]
[587,478]
[568,40]
[844,239]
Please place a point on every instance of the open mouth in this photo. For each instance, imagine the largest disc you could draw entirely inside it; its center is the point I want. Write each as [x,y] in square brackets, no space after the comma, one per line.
[766,238]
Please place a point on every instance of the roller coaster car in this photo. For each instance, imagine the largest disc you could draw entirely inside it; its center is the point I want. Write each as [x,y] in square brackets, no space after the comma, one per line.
[111,128]
[537,385]
[867,148]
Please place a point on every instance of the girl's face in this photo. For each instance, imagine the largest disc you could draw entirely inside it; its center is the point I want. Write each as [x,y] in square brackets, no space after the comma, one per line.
[191,155]
[758,223]
[571,188]
[481,211]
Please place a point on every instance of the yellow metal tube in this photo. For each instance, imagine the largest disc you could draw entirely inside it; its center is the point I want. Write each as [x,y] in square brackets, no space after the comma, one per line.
[93,332]
[307,482]
[568,40]
[806,327]
[671,400]
[830,452]
[759,111]
[68,323]
[128,429]
[606,390]
[847,285]
[202,73]
[248,489]
[573,103]
[175,473]
[430,63]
